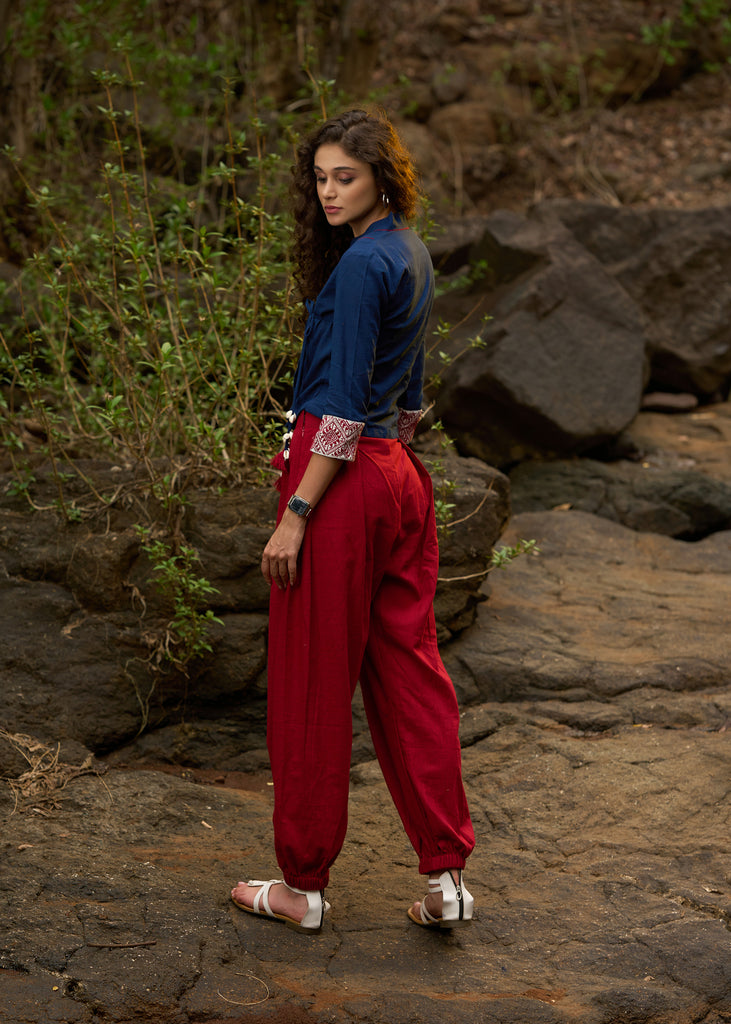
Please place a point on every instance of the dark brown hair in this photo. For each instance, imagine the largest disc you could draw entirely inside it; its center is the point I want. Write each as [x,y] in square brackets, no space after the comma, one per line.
[365,136]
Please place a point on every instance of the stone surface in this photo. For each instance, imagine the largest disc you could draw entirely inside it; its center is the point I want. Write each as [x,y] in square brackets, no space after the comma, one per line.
[601,877]
[698,440]
[562,363]
[676,264]
[676,502]
[600,611]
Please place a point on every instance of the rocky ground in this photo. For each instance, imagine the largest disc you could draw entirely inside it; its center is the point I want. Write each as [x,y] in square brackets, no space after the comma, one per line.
[601,877]
[601,809]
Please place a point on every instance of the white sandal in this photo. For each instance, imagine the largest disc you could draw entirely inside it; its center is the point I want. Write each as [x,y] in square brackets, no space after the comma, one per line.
[317,906]
[457,903]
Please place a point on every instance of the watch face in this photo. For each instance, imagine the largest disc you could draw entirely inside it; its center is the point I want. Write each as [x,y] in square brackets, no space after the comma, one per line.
[299,506]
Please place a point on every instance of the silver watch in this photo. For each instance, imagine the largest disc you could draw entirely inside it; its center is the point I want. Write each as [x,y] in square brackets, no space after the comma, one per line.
[299,506]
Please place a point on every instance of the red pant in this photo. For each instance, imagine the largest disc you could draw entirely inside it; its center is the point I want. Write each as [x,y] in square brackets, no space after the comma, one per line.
[362,610]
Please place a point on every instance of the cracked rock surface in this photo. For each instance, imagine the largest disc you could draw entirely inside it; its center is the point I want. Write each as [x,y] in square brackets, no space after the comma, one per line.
[601,878]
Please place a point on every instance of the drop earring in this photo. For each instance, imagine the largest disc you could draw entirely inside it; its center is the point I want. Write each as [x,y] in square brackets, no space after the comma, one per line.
[384,199]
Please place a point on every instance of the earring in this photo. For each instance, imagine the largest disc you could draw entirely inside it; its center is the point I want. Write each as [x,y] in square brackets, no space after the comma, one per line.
[385,200]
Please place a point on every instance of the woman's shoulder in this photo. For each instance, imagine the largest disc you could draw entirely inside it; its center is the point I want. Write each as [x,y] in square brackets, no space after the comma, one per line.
[384,242]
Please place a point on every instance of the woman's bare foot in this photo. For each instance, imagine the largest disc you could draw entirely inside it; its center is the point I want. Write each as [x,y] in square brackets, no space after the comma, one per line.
[282,900]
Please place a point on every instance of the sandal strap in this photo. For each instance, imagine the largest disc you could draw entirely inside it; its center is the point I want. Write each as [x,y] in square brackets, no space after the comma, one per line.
[263,895]
[426,917]
[316,906]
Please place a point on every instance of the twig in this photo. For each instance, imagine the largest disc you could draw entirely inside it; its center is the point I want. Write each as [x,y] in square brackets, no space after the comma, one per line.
[121,945]
[458,579]
[235,1002]
[456,522]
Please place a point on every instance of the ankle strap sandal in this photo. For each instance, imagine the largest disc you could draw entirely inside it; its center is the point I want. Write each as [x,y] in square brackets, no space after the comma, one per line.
[457,903]
[317,906]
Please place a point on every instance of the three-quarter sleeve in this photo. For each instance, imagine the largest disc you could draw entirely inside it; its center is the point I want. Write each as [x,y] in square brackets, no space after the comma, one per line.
[361,290]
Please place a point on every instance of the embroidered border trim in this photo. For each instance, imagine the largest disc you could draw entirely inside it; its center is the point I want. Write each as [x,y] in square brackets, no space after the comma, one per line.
[407,421]
[337,438]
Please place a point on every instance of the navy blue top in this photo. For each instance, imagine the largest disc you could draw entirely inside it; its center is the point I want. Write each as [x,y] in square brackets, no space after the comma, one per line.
[363,351]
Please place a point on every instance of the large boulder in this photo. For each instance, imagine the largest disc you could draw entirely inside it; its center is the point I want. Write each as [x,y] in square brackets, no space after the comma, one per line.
[602,610]
[676,264]
[676,502]
[562,367]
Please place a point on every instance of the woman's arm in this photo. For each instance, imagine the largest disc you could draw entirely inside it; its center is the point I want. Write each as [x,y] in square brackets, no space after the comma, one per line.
[279,560]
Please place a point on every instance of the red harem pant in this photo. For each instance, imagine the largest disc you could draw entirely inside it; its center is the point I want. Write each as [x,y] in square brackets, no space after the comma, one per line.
[362,610]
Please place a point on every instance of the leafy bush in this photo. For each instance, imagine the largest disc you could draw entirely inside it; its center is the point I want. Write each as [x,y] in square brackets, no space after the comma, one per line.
[156,316]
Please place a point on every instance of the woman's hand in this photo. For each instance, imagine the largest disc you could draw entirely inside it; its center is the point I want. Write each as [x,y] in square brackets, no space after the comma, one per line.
[279,560]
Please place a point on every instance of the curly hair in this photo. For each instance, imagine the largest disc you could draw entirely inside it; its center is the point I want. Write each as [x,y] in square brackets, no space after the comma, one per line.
[368,137]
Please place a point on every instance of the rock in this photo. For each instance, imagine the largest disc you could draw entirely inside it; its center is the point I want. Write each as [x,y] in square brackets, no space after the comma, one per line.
[660,401]
[457,122]
[449,84]
[86,624]
[452,245]
[88,628]
[563,364]
[676,264]
[63,673]
[229,533]
[601,611]
[599,876]
[676,502]
[417,104]
[609,65]
[97,572]
[473,507]
[698,440]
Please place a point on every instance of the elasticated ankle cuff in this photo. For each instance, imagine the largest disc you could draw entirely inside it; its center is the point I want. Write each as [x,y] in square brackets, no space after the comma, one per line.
[441,863]
[311,883]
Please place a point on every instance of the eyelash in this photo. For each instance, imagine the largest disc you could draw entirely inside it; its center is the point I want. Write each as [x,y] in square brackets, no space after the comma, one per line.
[341,181]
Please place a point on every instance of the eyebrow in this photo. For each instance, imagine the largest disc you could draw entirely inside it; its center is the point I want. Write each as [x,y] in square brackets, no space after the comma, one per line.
[343,168]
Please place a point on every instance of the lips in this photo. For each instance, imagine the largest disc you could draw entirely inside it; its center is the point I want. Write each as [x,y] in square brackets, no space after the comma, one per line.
[331,209]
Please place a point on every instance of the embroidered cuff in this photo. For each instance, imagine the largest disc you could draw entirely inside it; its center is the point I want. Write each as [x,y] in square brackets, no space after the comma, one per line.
[407,420]
[337,438]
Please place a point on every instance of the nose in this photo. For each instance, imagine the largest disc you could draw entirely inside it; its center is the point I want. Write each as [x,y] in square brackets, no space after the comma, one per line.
[327,188]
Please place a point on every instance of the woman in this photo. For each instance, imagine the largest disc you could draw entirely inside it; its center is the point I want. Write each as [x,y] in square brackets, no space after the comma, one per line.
[353,560]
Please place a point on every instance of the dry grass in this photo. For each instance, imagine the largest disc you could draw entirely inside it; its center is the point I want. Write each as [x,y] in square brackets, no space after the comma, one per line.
[46,775]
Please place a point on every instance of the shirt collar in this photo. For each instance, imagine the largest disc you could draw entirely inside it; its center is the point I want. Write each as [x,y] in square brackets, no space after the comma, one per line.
[391,222]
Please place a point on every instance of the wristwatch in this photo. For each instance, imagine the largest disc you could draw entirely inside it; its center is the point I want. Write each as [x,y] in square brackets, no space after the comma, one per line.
[299,506]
